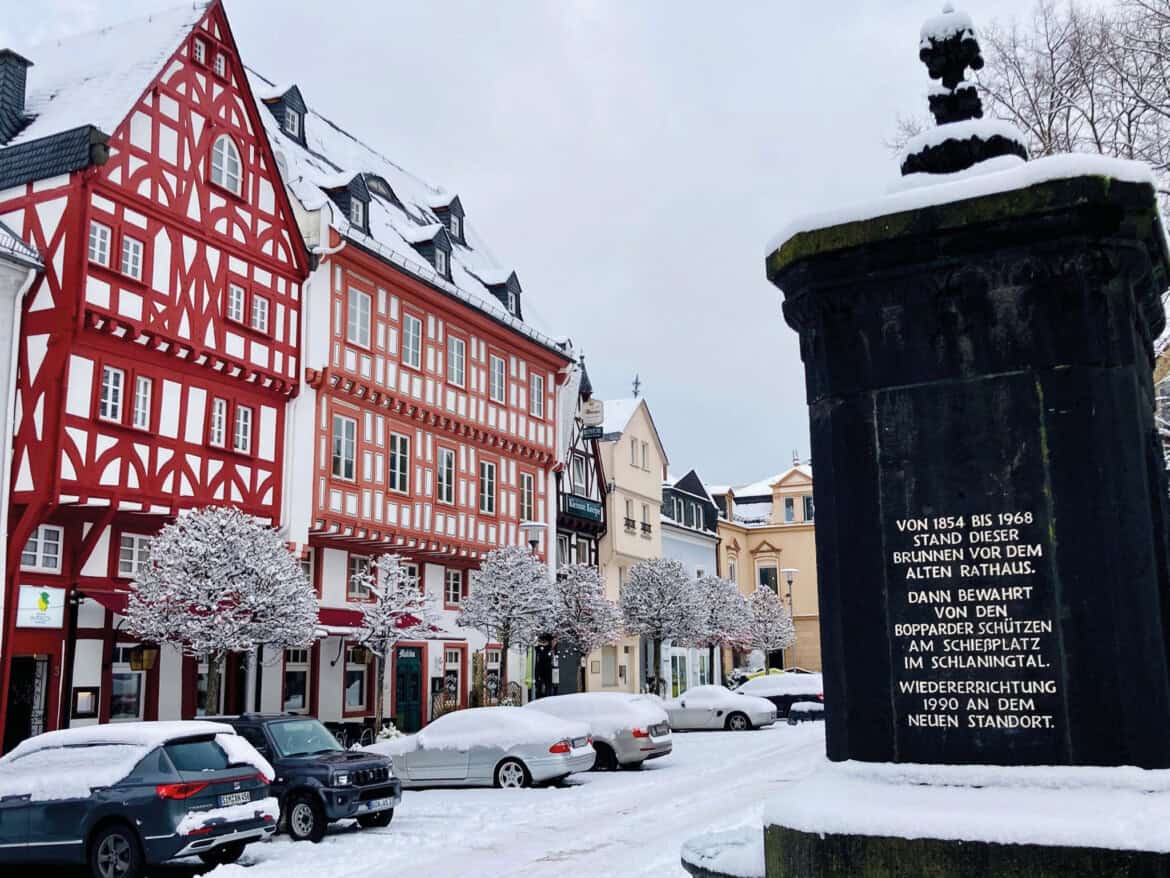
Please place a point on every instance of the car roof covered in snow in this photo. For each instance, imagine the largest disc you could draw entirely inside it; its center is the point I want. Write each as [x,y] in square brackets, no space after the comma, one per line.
[136,734]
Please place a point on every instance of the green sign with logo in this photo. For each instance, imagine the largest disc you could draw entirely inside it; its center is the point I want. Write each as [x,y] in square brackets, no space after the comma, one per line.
[592,433]
[583,507]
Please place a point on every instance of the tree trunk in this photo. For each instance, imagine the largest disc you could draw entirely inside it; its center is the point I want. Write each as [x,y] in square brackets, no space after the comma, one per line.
[214,666]
[711,665]
[503,668]
[657,667]
[379,696]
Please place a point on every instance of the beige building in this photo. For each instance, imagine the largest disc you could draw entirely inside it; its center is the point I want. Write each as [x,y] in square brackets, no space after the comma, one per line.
[634,463]
[767,538]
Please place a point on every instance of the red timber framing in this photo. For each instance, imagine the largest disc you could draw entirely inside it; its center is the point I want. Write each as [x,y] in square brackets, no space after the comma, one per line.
[390,493]
[160,349]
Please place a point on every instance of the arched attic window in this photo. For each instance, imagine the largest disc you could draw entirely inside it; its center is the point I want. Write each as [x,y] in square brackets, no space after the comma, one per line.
[226,168]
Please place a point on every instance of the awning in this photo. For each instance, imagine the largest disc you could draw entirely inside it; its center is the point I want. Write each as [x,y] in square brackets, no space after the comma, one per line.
[114,601]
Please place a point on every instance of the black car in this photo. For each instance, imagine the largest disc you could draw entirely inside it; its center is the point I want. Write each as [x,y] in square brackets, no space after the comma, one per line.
[318,780]
[125,796]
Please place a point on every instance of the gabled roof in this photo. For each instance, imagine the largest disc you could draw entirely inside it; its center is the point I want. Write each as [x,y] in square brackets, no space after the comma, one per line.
[619,413]
[394,226]
[96,78]
[692,485]
[14,248]
[763,488]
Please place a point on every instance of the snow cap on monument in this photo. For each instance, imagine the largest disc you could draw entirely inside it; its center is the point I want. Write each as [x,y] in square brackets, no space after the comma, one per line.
[948,46]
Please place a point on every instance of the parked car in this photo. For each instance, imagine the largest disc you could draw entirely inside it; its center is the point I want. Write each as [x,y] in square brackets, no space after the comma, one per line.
[784,690]
[627,729]
[717,707]
[125,796]
[486,746]
[317,780]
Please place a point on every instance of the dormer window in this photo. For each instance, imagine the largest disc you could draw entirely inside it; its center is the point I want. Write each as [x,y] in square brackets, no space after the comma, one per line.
[441,261]
[220,64]
[292,123]
[199,51]
[357,212]
[511,302]
[456,228]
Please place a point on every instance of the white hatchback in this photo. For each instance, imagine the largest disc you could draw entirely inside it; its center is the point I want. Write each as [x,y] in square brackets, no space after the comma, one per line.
[717,707]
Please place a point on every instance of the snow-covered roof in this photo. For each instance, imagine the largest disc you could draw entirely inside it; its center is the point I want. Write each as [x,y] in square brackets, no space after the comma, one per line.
[751,513]
[95,78]
[15,248]
[763,487]
[618,413]
[331,154]
[716,490]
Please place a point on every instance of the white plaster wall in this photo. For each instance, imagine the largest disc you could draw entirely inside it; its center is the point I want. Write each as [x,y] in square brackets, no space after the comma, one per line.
[170,683]
[329,693]
[272,681]
[98,562]
[90,614]
[333,571]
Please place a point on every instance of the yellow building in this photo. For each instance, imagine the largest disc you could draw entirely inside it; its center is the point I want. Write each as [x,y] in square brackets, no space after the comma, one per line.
[634,463]
[767,538]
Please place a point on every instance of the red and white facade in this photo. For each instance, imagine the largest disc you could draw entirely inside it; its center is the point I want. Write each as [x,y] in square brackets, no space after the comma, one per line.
[157,358]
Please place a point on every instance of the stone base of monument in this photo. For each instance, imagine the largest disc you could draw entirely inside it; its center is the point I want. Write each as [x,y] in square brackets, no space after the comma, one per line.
[878,819]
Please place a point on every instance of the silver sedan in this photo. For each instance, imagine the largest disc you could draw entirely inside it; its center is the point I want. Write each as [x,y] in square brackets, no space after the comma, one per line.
[627,729]
[490,746]
[717,707]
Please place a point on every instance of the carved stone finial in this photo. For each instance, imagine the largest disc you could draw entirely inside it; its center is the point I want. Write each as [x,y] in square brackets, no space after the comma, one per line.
[948,47]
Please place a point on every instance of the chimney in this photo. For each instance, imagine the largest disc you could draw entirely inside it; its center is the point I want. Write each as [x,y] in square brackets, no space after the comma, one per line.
[13,72]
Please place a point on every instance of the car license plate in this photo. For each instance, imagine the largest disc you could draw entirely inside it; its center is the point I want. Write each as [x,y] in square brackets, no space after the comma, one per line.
[379,804]
[580,742]
[234,799]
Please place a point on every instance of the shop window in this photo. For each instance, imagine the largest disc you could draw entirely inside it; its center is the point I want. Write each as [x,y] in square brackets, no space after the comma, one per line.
[296,680]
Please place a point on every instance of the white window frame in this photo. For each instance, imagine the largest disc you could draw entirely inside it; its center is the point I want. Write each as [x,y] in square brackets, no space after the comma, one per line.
[292,122]
[487,487]
[789,510]
[343,457]
[133,553]
[511,302]
[353,566]
[456,360]
[236,295]
[351,665]
[199,51]
[577,469]
[456,228]
[308,567]
[357,212]
[452,584]
[260,314]
[357,318]
[536,396]
[242,430]
[133,251]
[217,428]
[219,65]
[498,379]
[527,497]
[297,666]
[646,456]
[143,397]
[411,341]
[41,562]
[398,465]
[410,572]
[99,243]
[633,451]
[227,170]
[445,476]
[120,667]
[441,261]
[112,394]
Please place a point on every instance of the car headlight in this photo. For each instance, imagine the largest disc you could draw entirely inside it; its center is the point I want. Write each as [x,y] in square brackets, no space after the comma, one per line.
[341,780]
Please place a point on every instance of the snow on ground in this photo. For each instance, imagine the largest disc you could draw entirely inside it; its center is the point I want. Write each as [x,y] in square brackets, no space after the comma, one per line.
[598,824]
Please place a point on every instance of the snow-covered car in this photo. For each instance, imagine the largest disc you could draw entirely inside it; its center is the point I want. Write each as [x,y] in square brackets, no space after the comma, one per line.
[627,729]
[717,707]
[486,746]
[784,690]
[124,796]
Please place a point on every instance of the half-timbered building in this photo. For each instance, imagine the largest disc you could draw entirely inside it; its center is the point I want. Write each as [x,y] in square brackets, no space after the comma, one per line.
[157,353]
[427,426]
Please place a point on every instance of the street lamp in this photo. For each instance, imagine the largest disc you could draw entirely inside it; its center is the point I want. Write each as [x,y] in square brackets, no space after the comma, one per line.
[532,531]
[789,575]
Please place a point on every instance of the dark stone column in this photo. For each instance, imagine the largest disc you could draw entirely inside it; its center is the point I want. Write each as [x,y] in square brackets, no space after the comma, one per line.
[989,360]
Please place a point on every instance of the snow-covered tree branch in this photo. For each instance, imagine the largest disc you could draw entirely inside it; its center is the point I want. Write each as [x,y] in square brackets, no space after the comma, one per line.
[218,582]
[659,601]
[772,626]
[585,617]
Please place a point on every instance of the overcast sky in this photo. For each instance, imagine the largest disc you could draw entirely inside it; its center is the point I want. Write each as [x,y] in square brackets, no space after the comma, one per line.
[629,159]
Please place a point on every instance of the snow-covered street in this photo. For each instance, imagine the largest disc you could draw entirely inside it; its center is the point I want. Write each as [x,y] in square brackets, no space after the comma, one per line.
[624,823]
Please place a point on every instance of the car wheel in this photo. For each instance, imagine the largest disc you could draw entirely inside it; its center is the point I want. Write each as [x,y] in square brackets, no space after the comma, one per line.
[511,774]
[605,760]
[306,820]
[115,853]
[738,722]
[633,766]
[224,854]
[377,820]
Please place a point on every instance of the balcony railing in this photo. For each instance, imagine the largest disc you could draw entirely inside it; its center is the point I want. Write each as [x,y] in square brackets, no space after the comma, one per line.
[631,524]
[646,528]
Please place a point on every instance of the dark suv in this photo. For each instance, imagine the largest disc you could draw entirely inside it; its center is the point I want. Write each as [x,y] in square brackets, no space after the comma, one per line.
[318,780]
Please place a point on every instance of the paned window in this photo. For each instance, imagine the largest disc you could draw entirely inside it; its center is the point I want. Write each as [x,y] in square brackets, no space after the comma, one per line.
[412,341]
[126,701]
[808,507]
[527,497]
[242,437]
[355,587]
[344,447]
[296,680]
[226,170]
[235,303]
[487,487]
[217,433]
[357,212]
[410,570]
[456,360]
[357,329]
[499,380]
[355,681]
[42,552]
[578,474]
[220,64]
[441,261]
[456,228]
[768,577]
[789,510]
[399,463]
[260,314]
[633,451]
[307,568]
[133,553]
[99,244]
[110,401]
[536,402]
[646,455]
[446,475]
[453,587]
[131,257]
[200,51]
[512,304]
[292,122]
[143,388]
